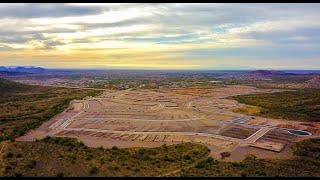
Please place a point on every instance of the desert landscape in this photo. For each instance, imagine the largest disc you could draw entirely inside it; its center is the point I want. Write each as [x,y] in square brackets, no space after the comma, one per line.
[151,118]
[159,90]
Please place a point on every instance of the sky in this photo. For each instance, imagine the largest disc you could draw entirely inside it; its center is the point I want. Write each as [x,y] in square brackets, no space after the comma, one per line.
[161,36]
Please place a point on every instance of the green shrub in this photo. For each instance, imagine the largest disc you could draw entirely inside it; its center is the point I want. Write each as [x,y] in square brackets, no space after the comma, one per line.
[93,170]
[205,164]
[9,155]
[60,174]
[31,164]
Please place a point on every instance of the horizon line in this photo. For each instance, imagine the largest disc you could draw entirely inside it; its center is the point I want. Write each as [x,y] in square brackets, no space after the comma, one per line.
[127,69]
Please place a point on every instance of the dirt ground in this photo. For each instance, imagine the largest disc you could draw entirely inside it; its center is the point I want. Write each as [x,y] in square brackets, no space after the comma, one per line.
[150,118]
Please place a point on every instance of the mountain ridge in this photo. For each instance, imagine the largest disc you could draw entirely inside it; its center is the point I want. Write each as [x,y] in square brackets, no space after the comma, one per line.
[22,69]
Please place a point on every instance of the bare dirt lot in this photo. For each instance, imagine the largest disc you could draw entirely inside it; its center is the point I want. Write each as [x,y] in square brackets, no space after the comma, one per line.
[149,118]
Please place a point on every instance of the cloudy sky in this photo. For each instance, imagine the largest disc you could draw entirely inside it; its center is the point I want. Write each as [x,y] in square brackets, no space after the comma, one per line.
[161,36]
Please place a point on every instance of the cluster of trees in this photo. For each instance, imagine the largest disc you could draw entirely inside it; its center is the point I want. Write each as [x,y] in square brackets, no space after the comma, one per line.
[55,156]
[301,105]
[25,107]
[306,162]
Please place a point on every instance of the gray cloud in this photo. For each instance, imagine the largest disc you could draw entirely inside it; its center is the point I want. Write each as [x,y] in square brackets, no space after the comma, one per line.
[5,48]
[24,36]
[14,39]
[50,44]
[176,23]
[127,22]
[22,39]
[46,43]
[210,17]
[45,10]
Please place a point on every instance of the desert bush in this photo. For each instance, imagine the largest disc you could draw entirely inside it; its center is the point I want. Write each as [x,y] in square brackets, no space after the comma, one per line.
[93,170]
[9,155]
[31,164]
[60,174]
[225,155]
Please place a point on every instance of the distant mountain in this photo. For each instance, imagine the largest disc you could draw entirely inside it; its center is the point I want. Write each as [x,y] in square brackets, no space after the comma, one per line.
[266,73]
[8,73]
[263,74]
[259,75]
[22,69]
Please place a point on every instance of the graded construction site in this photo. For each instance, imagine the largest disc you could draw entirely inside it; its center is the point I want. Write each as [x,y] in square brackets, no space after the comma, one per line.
[150,118]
